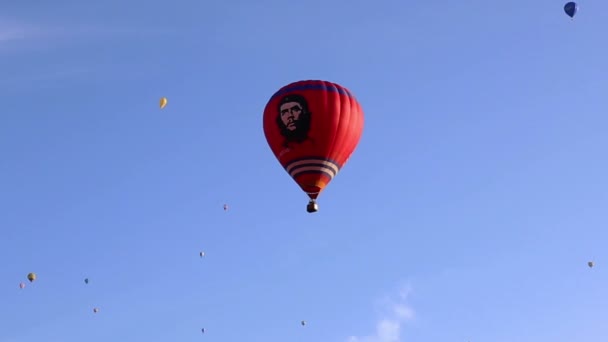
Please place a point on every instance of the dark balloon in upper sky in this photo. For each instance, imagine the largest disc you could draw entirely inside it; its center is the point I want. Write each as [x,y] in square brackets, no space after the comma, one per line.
[571,8]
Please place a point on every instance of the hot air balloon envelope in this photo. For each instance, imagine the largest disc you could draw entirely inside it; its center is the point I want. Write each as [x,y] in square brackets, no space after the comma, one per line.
[22,285]
[313,127]
[571,8]
[163,102]
[590,264]
[31,277]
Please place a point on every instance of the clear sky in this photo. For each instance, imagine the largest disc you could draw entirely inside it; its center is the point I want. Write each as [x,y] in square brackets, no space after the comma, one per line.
[469,211]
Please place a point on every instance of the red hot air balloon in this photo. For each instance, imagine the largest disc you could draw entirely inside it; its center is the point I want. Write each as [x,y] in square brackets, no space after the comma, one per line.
[313,127]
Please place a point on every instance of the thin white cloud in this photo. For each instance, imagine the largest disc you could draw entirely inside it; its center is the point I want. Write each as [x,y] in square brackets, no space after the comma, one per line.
[120,31]
[19,38]
[10,34]
[27,80]
[14,31]
[395,312]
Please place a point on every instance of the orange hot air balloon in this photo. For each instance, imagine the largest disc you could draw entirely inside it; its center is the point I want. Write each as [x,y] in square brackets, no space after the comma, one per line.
[313,127]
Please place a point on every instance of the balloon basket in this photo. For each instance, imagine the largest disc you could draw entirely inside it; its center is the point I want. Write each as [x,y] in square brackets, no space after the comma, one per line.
[312,207]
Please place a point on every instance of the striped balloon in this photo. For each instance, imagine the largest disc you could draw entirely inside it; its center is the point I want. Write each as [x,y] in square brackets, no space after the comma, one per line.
[313,127]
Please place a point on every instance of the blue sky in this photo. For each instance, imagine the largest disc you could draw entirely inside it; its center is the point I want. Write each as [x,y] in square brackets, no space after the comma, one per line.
[468,212]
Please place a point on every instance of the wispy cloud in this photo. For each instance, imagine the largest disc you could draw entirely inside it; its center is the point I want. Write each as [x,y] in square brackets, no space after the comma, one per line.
[133,32]
[16,36]
[19,38]
[393,314]
[10,34]
[40,77]
[13,31]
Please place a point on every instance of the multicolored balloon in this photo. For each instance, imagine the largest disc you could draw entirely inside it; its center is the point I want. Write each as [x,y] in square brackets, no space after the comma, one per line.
[313,127]
[31,277]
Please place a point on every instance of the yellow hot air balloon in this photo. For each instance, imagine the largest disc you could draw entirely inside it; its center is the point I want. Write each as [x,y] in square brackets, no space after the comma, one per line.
[31,277]
[163,102]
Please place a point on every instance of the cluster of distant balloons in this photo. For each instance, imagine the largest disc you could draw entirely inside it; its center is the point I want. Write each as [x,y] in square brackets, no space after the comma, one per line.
[32,276]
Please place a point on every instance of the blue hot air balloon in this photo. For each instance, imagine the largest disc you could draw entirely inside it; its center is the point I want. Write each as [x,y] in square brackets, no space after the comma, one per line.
[571,8]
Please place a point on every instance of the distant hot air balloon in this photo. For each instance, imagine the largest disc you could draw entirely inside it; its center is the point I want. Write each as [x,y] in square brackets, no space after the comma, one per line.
[96,310]
[590,264]
[31,277]
[313,127]
[163,102]
[86,280]
[21,285]
[203,330]
[571,8]
[303,323]
[202,254]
